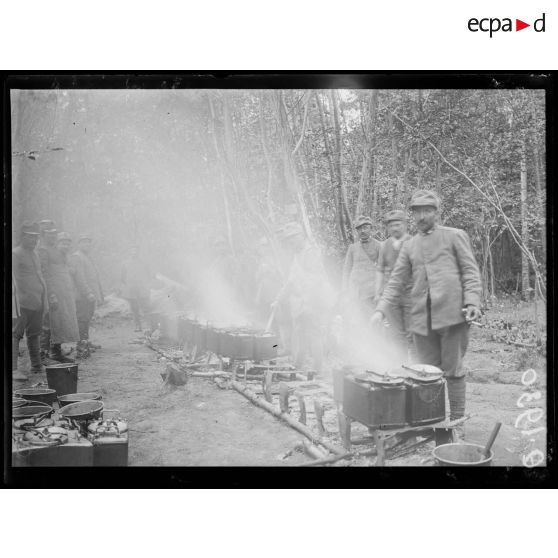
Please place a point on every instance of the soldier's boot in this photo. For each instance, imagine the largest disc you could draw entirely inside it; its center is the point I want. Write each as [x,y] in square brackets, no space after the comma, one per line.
[456,395]
[16,373]
[33,345]
[56,354]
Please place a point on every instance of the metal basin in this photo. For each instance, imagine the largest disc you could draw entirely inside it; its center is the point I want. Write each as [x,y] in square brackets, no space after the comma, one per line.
[82,410]
[45,395]
[462,455]
[32,412]
[70,398]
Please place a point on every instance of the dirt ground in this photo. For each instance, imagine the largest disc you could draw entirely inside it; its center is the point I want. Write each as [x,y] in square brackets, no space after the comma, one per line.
[201,425]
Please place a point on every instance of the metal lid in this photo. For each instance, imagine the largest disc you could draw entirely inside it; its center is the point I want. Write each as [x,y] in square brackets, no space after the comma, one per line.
[379,379]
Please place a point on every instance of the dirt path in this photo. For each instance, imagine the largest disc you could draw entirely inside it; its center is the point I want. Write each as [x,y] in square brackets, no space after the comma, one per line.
[193,425]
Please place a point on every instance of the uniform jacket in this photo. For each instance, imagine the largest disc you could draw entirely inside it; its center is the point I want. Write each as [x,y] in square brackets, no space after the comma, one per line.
[440,263]
[86,276]
[386,262]
[29,283]
[60,289]
[359,269]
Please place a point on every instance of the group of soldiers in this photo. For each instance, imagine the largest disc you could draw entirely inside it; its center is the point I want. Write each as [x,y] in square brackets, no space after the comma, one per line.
[54,294]
[425,287]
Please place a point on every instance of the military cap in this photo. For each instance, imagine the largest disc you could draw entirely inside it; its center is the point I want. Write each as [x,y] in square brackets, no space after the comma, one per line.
[46,225]
[292,229]
[85,237]
[50,231]
[425,197]
[64,236]
[362,220]
[30,228]
[395,215]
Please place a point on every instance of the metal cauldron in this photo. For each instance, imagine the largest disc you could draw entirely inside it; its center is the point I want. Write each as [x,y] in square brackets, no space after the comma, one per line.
[35,412]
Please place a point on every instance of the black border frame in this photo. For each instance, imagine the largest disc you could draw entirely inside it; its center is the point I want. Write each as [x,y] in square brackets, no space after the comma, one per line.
[252,477]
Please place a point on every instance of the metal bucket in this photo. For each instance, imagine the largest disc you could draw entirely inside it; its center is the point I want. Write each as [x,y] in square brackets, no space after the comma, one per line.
[44,395]
[64,400]
[462,455]
[62,378]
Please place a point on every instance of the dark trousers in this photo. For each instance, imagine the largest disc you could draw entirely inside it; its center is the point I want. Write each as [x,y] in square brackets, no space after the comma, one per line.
[444,348]
[84,312]
[29,322]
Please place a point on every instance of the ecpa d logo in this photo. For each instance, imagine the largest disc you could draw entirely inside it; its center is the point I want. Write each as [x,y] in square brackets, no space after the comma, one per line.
[492,25]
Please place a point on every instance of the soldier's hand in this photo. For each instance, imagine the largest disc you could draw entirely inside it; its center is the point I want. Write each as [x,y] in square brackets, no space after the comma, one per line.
[472,313]
[376,319]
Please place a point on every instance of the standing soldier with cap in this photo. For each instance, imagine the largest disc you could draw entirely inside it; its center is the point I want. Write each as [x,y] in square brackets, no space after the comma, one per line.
[359,269]
[439,264]
[47,240]
[399,314]
[60,290]
[88,292]
[30,298]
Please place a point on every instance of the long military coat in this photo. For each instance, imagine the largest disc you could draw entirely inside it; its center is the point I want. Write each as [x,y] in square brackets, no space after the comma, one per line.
[359,269]
[29,283]
[86,276]
[441,263]
[60,288]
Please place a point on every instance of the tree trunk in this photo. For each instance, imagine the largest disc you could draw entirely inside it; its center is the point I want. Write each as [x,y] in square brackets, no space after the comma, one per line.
[524,226]
[340,213]
[338,164]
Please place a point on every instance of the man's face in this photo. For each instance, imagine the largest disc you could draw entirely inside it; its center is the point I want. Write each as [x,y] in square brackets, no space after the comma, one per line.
[85,246]
[424,217]
[29,241]
[64,246]
[396,229]
[364,232]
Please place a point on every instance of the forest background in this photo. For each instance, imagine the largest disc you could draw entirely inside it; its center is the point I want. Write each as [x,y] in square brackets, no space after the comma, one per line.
[171,170]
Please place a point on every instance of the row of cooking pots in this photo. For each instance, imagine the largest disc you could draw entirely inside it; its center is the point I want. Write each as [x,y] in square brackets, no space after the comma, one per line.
[239,344]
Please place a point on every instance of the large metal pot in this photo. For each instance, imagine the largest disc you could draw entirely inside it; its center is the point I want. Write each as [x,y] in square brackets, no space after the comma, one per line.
[70,398]
[82,410]
[44,395]
[32,412]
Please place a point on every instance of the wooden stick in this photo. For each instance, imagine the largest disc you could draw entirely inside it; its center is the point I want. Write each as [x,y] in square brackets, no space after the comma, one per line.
[326,461]
[250,395]
[284,397]
[266,385]
[313,451]
[302,407]
[319,412]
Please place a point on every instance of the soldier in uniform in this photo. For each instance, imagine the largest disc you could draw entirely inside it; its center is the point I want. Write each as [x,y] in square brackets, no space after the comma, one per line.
[30,298]
[359,270]
[60,291]
[47,240]
[310,298]
[445,281]
[88,289]
[399,314]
